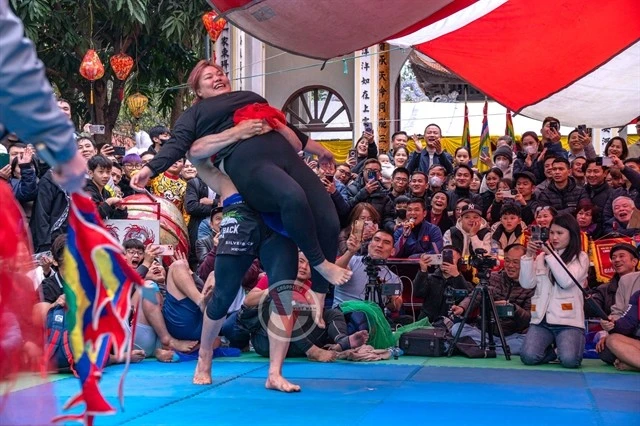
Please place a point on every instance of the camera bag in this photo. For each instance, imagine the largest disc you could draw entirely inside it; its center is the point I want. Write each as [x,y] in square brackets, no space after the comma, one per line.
[424,342]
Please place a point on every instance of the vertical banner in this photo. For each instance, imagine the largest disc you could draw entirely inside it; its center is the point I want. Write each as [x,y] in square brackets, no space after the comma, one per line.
[366,87]
[384,108]
[238,54]
[223,50]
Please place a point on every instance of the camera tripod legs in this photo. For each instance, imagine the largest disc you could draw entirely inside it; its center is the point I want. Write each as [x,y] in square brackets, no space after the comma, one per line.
[482,292]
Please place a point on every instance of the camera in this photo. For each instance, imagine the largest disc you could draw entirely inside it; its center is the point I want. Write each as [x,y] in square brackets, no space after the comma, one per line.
[506,311]
[481,261]
[453,295]
[539,233]
[372,269]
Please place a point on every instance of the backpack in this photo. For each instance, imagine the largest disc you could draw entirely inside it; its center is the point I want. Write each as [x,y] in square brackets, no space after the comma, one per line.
[58,356]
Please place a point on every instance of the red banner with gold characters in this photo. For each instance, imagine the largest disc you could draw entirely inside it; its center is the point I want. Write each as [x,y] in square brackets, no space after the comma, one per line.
[600,256]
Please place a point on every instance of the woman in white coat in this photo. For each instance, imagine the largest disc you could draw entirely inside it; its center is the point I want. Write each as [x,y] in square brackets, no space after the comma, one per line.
[557,307]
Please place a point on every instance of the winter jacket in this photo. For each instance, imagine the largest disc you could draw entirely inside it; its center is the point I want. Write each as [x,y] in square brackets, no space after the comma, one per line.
[563,200]
[604,295]
[629,323]
[461,240]
[431,287]
[99,197]
[425,238]
[559,302]
[527,212]
[537,168]
[422,162]
[599,195]
[627,285]
[50,213]
[504,240]
[196,190]
[614,225]
[25,189]
[379,199]
[444,223]
[632,192]
[501,287]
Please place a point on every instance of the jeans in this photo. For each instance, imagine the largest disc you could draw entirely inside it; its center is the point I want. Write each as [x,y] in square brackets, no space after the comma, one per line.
[514,341]
[237,335]
[537,347]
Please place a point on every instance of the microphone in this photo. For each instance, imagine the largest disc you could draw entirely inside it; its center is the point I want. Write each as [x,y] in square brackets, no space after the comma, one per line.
[409,228]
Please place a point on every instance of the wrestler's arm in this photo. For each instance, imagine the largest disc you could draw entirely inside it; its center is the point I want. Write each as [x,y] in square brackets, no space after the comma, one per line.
[209,145]
[214,178]
[314,147]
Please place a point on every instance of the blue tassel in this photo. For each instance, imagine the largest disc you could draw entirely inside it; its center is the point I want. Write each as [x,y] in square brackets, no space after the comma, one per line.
[345,68]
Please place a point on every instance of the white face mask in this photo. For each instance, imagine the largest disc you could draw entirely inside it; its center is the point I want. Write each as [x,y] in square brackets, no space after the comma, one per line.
[502,164]
[435,181]
[531,149]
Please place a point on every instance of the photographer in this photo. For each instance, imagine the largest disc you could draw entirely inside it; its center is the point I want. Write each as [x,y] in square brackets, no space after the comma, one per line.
[557,308]
[433,288]
[510,298]
[379,249]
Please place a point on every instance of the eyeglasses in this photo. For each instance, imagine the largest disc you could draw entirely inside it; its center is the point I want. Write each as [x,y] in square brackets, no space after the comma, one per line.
[541,208]
[132,252]
[133,165]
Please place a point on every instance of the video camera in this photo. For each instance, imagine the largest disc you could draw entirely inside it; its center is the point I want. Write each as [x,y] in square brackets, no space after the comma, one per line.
[454,295]
[372,269]
[506,311]
[539,233]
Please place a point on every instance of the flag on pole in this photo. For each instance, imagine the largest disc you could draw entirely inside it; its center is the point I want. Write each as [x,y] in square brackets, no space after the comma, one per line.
[466,136]
[98,285]
[508,131]
[485,141]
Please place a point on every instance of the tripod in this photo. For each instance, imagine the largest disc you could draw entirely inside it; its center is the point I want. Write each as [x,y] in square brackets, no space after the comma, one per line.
[487,311]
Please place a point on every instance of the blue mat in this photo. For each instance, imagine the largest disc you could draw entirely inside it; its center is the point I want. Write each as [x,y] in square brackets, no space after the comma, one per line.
[364,394]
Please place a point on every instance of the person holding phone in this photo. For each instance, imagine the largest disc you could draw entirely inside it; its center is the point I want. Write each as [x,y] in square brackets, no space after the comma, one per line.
[367,188]
[580,145]
[551,137]
[557,306]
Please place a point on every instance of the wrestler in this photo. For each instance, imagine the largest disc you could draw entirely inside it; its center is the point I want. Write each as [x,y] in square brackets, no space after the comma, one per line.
[262,164]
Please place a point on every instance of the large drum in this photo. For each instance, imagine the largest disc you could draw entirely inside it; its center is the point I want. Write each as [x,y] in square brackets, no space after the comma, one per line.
[173,229]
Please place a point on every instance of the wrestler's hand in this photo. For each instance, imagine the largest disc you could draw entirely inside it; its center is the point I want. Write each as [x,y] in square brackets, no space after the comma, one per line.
[71,176]
[141,179]
[248,128]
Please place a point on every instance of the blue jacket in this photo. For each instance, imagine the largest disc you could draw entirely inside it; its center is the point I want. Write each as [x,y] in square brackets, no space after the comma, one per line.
[422,162]
[422,239]
[629,323]
[26,188]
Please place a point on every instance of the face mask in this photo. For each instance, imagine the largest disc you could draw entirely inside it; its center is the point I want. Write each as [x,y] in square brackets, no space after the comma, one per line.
[502,164]
[435,181]
[531,149]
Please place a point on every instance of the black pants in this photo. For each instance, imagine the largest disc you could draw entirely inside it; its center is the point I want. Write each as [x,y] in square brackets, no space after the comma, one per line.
[279,257]
[304,337]
[272,178]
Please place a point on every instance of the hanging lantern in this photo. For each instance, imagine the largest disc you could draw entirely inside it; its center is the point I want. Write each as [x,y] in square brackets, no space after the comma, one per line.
[214,27]
[91,68]
[122,64]
[137,104]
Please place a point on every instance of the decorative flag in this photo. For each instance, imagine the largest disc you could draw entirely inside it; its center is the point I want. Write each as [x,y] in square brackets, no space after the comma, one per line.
[98,285]
[485,142]
[466,136]
[508,131]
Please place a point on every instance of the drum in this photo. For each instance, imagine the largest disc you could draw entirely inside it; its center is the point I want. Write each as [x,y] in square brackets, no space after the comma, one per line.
[173,229]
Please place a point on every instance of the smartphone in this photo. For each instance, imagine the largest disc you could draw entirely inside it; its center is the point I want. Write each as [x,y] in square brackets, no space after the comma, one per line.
[447,256]
[167,250]
[554,125]
[436,259]
[582,129]
[37,258]
[119,150]
[4,160]
[508,193]
[485,151]
[358,229]
[372,175]
[607,162]
[96,129]
[367,127]
[352,154]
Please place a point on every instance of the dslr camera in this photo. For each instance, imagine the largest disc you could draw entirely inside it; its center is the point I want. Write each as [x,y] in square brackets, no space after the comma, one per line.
[481,261]
[372,268]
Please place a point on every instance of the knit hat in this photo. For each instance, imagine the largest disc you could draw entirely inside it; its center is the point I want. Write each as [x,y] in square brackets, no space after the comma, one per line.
[626,247]
[505,151]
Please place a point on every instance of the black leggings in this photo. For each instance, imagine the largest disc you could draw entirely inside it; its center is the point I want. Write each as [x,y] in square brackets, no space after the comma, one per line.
[272,178]
[279,257]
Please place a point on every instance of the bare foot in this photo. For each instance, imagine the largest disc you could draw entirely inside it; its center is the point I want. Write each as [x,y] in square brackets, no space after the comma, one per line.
[184,346]
[316,300]
[279,383]
[623,366]
[202,376]
[321,355]
[333,273]
[358,339]
[164,355]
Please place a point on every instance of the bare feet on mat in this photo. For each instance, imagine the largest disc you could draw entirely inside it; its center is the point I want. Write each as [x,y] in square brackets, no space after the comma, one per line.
[202,376]
[279,383]
[321,355]
[358,338]
[164,355]
[184,346]
[623,366]
[333,273]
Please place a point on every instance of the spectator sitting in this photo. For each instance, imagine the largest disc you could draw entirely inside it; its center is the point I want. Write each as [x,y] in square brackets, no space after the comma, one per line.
[198,205]
[50,213]
[419,186]
[588,216]
[400,157]
[470,233]
[510,229]
[437,213]
[206,244]
[367,188]
[99,175]
[432,287]
[597,188]
[577,171]
[489,188]
[545,216]
[416,235]
[525,198]
[462,177]
[505,289]
[617,146]
[547,174]
[369,220]
[624,341]
[627,285]
[623,211]
[624,258]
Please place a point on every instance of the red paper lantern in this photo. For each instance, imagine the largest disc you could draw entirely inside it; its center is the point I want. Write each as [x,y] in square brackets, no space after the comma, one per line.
[214,27]
[91,67]
[122,64]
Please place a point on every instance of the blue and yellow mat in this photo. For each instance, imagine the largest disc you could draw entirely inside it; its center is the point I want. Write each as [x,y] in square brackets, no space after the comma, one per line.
[417,390]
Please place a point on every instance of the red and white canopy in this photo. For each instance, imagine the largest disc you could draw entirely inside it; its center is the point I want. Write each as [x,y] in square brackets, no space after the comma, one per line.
[576,60]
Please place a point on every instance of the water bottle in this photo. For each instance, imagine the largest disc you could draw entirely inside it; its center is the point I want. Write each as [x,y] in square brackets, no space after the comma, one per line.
[396,352]
[495,249]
